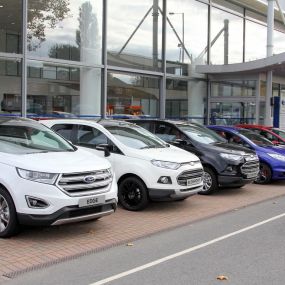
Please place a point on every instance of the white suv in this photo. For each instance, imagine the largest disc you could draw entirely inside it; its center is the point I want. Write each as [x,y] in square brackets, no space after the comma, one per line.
[146,167]
[45,180]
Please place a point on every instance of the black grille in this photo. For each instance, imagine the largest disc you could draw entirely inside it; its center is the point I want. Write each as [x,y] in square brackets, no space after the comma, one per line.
[190,174]
[250,169]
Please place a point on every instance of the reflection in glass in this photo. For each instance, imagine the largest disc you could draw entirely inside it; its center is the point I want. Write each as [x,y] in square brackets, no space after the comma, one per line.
[66,29]
[245,88]
[59,90]
[226,38]
[186,99]
[135,33]
[10,82]
[182,20]
[132,95]
[11,26]
[228,113]
[255,36]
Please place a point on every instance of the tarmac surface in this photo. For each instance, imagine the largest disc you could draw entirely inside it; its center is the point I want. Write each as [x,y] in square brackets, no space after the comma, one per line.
[36,248]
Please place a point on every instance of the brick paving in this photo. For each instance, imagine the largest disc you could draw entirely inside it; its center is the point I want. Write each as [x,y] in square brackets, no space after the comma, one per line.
[38,247]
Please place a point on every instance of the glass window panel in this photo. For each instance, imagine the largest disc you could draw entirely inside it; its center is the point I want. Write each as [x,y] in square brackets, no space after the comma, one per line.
[54,93]
[183,17]
[66,29]
[255,41]
[10,26]
[135,34]
[246,88]
[223,20]
[10,91]
[228,113]
[126,95]
[186,99]
[278,42]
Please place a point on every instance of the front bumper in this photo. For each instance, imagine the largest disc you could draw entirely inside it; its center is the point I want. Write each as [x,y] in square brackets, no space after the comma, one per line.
[173,194]
[69,214]
[228,181]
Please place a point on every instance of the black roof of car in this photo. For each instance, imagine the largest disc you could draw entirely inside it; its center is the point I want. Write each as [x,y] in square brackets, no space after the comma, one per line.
[174,122]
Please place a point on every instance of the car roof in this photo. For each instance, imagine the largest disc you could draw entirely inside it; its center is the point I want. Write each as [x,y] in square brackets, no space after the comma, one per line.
[6,119]
[174,122]
[229,128]
[254,126]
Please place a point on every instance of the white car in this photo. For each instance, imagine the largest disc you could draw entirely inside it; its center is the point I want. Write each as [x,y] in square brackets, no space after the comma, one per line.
[45,180]
[146,167]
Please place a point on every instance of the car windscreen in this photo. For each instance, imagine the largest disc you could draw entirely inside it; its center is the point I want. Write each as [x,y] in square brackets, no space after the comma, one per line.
[135,137]
[279,132]
[255,138]
[31,138]
[201,134]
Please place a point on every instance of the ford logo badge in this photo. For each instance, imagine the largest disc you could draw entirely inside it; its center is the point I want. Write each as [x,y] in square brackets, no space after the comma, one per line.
[89,179]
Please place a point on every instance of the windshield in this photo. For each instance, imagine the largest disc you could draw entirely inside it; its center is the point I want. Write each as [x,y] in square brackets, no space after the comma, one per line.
[23,137]
[135,137]
[256,138]
[201,134]
[279,132]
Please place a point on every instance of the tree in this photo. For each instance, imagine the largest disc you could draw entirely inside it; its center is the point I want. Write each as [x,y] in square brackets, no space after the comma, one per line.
[43,14]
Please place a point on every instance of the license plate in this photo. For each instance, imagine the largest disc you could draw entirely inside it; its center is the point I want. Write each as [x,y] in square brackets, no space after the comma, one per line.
[91,201]
[194,181]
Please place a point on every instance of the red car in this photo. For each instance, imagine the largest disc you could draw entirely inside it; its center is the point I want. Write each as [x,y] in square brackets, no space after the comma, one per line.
[275,135]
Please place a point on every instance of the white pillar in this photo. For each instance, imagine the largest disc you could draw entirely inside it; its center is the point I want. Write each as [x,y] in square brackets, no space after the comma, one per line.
[270,29]
[90,52]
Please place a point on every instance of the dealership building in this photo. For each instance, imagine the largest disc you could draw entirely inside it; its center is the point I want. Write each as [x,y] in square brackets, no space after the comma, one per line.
[208,60]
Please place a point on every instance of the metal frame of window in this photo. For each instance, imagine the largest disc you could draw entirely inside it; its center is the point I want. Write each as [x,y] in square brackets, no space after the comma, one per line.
[105,68]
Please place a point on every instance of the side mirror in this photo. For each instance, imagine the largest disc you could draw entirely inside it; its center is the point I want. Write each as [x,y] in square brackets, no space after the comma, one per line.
[105,148]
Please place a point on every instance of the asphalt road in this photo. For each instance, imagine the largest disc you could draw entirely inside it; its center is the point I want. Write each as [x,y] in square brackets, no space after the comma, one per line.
[245,245]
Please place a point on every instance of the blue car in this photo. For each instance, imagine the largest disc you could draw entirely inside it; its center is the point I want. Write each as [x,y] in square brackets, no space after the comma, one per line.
[271,157]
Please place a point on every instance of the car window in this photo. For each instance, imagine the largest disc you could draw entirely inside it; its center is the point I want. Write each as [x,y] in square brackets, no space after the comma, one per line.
[64,130]
[167,132]
[89,135]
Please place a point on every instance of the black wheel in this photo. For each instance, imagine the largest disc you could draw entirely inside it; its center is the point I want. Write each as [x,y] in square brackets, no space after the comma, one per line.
[133,194]
[210,181]
[264,175]
[8,218]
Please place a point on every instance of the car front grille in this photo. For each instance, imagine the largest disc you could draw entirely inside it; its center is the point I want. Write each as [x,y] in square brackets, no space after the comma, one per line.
[250,169]
[85,183]
[190,174]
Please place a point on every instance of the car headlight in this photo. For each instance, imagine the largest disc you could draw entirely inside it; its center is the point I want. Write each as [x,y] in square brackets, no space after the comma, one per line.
[166,164]
[228,156]
[277,156]
[41,177]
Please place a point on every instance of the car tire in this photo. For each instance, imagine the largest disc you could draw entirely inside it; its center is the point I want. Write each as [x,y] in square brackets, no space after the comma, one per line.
[210,181]
[264,175]
[133,194]
[8,217]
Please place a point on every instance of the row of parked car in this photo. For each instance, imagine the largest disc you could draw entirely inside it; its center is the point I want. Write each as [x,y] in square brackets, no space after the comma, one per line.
[67,170]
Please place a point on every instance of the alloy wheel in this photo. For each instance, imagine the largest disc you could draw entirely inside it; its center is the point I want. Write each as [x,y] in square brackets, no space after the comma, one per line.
[4,214]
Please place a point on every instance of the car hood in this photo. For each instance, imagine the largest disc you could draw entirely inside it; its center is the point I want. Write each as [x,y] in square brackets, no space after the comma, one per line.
[228,148]
[57,162]
[171,153]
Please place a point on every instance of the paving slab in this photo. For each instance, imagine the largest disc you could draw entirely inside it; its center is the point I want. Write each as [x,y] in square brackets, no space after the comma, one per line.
[36,248]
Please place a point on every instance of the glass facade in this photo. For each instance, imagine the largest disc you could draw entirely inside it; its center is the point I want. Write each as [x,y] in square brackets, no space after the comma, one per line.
[107,57]
[135,34]
[182,31]
[132,94]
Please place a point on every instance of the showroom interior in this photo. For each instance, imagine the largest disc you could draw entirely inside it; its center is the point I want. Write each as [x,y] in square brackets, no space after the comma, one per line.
[203,60]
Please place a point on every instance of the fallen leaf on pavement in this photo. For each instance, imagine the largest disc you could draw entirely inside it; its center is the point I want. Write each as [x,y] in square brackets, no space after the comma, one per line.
[222,277]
